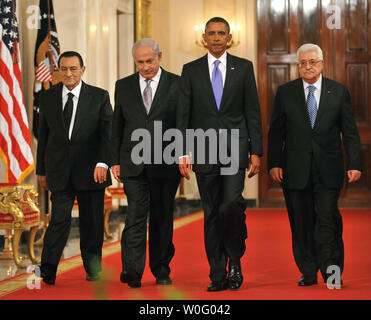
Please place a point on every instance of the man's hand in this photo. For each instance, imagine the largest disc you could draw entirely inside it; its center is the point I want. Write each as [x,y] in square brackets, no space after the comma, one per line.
[42,182]
[185,166]
[100,174]
[353,175]
[276,174]
[116,172]
[254,165]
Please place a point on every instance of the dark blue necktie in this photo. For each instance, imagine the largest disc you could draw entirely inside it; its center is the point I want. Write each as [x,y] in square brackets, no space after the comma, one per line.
[312,105]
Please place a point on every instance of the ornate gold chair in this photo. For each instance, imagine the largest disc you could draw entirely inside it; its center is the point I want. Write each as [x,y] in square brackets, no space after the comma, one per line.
[117,192]
[107,212]
[18,213]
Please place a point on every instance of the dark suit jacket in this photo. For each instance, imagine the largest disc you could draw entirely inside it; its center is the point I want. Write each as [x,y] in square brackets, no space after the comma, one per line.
[293,144]
[130,114]
[61,159]
[239,108]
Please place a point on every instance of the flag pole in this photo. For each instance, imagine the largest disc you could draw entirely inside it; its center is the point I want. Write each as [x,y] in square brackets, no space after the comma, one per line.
[15,48]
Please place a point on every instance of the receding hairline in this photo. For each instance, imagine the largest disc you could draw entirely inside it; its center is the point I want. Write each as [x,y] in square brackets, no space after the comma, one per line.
[307,47]
[146,42]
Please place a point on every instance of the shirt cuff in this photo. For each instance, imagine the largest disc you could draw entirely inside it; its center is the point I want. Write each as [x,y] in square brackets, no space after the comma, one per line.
[101,164]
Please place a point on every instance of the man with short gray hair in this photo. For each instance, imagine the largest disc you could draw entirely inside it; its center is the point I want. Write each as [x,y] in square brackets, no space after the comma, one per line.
[146,97]
[305,155]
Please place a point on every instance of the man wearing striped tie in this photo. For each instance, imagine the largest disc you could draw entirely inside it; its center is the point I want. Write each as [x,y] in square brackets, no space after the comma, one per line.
[143,101]
[305,155]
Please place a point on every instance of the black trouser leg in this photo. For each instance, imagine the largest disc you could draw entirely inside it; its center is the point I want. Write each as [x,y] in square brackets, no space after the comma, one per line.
[329,227]
[161,247]
[91,224]
[57,233]
[316,226]
[233,215]
[302,218]
[224,219]
[133,240]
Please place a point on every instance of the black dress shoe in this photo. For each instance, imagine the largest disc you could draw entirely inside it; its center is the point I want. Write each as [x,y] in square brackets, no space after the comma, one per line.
[124,277]
[134,283]
[130,280]
[217,286]
[235,277]
[305,281]
[92,277]
[48,274]
[164,281]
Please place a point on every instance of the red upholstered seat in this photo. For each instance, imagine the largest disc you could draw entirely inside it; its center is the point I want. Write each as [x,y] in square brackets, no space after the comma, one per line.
[29,216]
[117,192]
[19,211]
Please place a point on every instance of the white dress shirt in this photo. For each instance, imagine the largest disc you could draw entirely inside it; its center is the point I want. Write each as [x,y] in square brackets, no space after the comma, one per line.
[76,95]
[153,84]
[317,91]
[222,65]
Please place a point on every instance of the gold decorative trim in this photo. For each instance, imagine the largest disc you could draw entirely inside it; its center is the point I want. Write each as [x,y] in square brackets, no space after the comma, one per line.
[143,19]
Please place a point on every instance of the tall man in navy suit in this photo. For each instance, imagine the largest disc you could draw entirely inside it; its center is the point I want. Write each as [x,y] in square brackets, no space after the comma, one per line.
[312,116]
[218,93]
[73,156]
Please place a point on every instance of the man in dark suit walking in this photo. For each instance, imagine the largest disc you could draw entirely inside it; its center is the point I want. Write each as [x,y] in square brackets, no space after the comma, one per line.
[312,116]
[73,156]
[143,101]
[218,92]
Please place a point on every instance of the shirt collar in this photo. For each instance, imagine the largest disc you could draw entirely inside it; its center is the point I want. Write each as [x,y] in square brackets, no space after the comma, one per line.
[156,78]
[76,91]
[317,84]
[211,59]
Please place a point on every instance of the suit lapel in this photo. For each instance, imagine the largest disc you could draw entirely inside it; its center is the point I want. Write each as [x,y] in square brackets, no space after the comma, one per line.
[160,91]
[205,76]
[138,93]
[229,75]
[228,83]
[82,109]
[303,103]
[325,94]
[59,107]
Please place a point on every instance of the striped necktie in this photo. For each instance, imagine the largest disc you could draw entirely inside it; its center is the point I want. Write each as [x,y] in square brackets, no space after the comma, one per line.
[147,95]
[312,105]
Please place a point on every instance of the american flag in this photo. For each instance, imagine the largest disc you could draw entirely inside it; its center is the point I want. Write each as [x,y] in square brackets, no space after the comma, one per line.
[15,138]
[47,52]
[43,71]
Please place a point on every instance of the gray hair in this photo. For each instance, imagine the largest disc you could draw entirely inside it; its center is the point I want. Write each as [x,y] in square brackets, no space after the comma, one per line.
[310,47]
[146,42]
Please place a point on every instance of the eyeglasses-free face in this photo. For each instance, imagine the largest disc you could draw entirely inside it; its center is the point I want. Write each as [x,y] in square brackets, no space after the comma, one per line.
[147,61]
[72,72]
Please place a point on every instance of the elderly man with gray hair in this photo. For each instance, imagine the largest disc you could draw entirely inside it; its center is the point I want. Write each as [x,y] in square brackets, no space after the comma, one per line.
[312,117]
[149,95]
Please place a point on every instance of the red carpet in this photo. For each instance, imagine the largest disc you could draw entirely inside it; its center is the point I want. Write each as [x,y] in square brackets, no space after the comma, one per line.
[268,266]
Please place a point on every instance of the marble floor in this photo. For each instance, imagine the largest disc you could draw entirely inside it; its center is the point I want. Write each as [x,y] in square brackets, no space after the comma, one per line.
[8,268]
